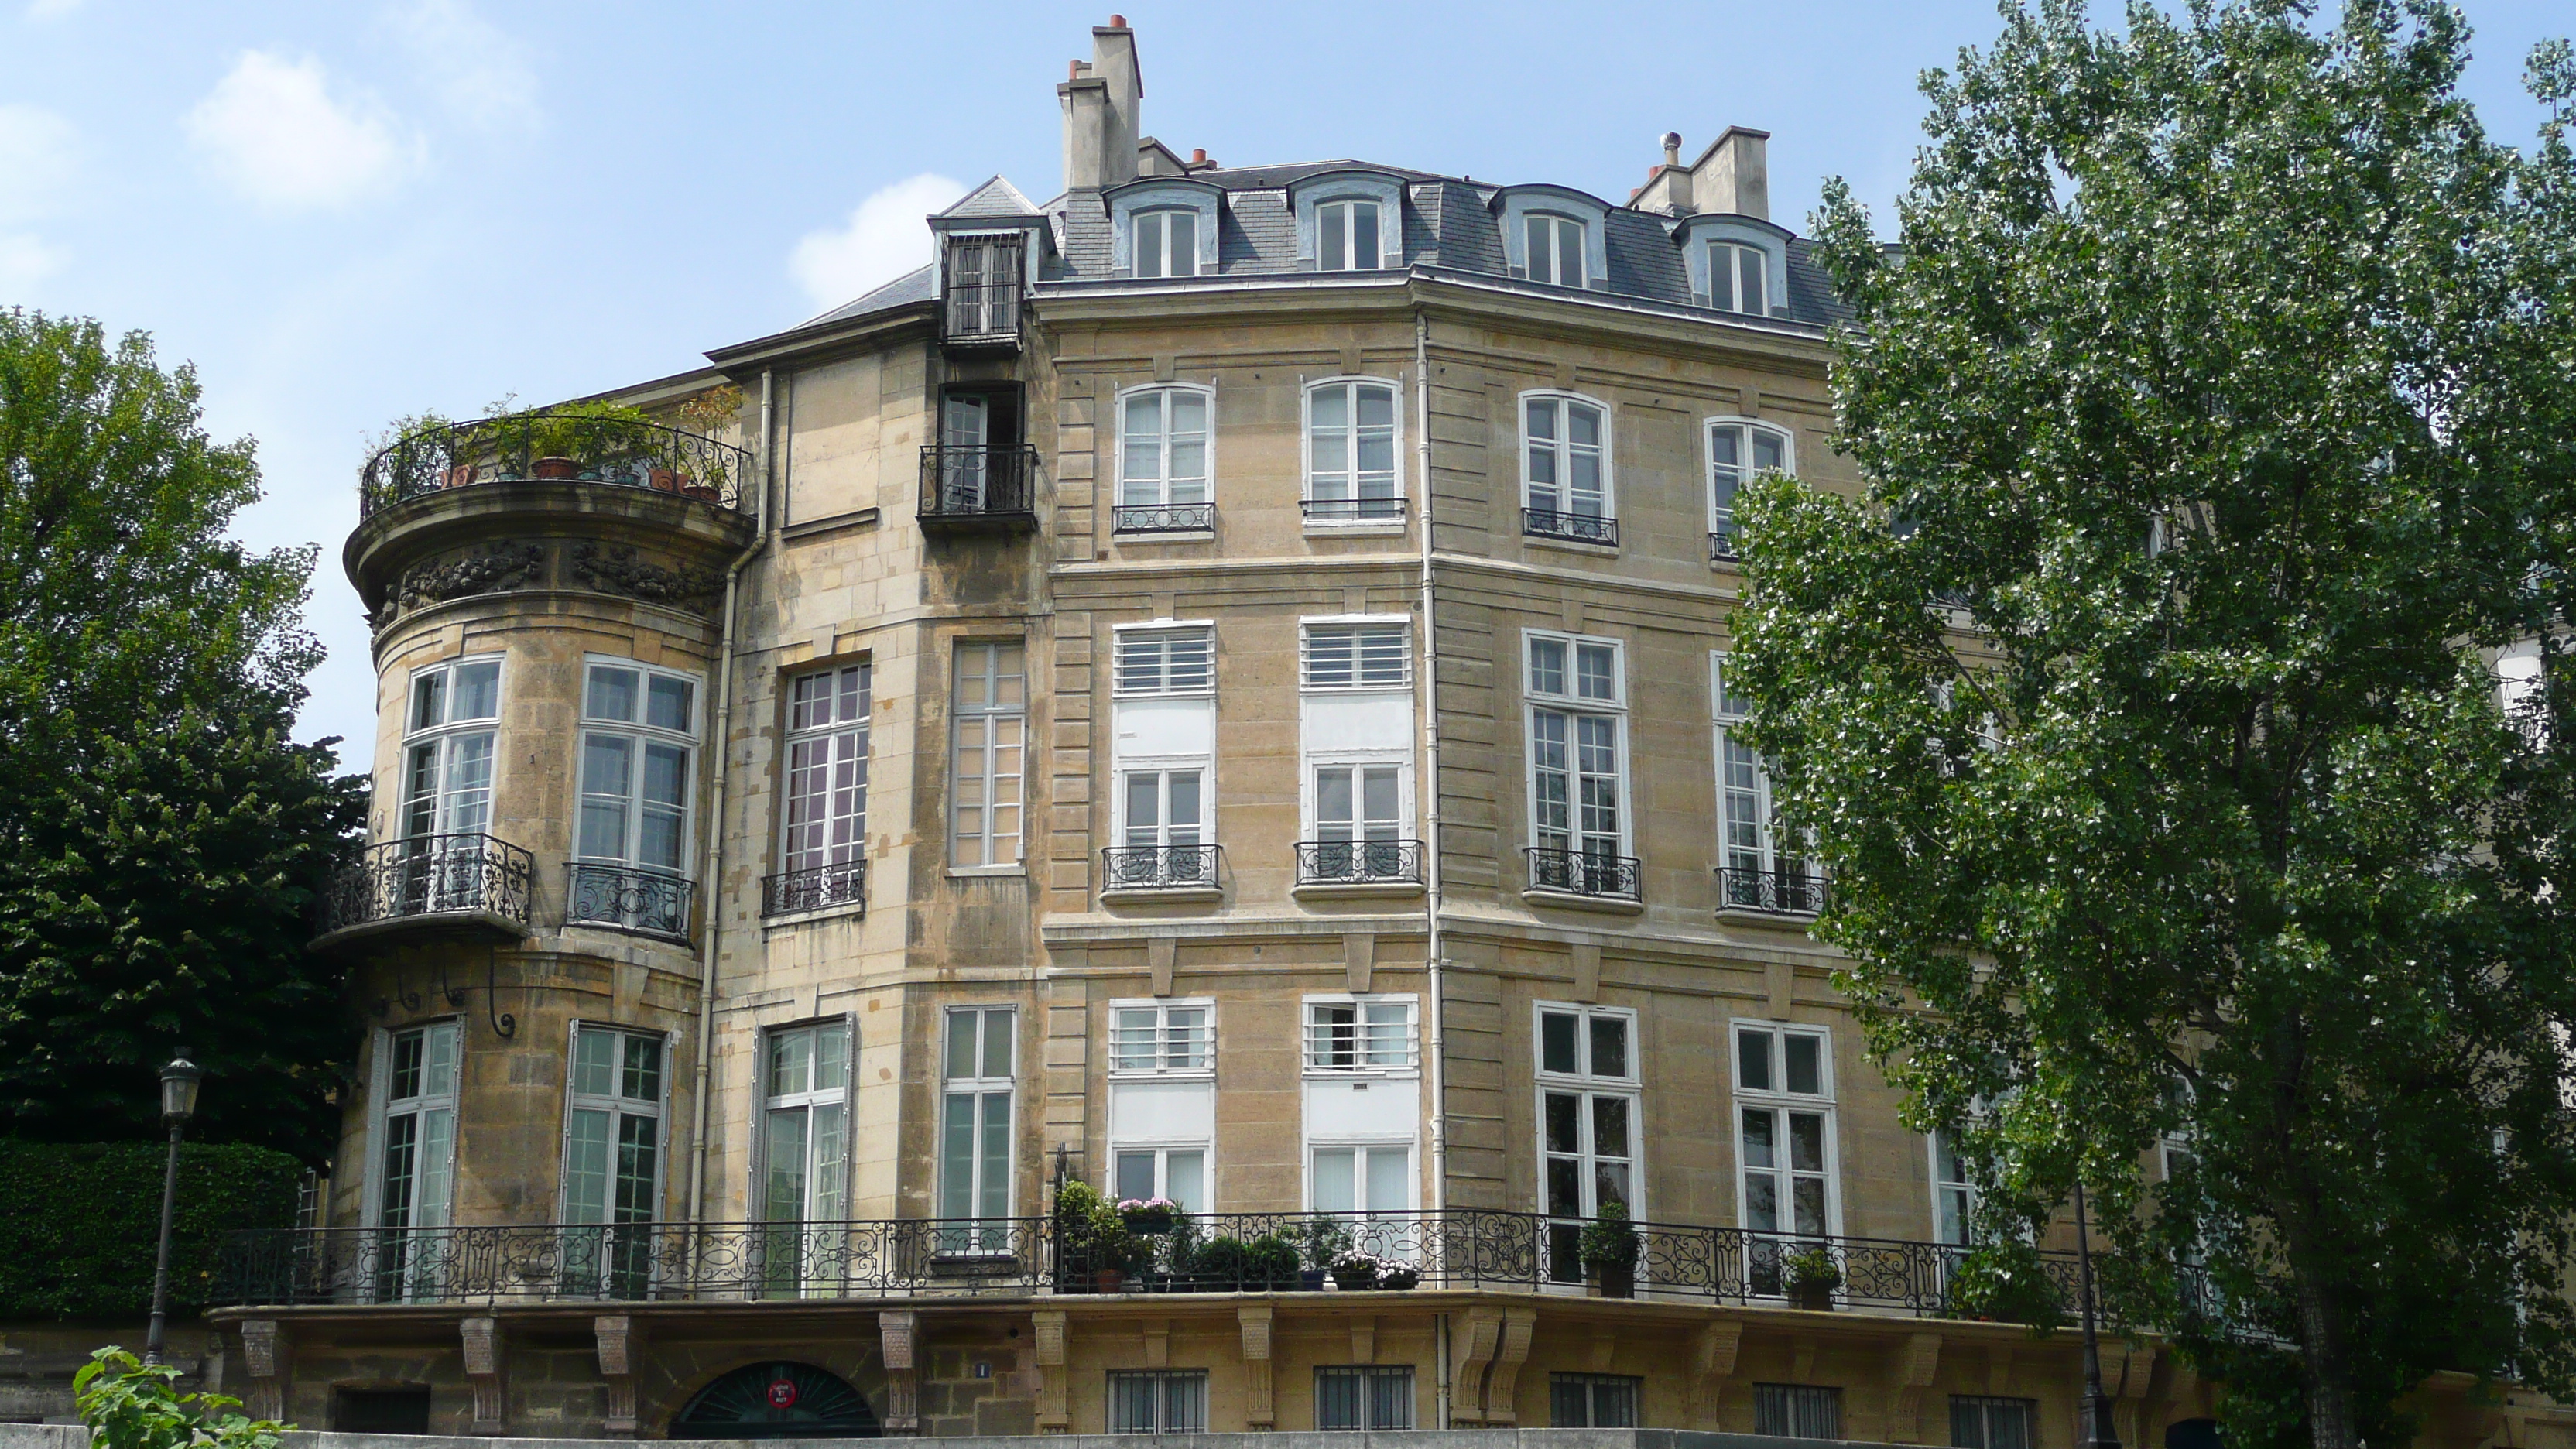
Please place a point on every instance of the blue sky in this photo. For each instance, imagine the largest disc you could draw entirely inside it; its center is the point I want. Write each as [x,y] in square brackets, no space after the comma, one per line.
[349,211]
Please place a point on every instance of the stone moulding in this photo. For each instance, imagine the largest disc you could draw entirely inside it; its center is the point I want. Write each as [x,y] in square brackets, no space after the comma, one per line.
[491,569]
[615,569]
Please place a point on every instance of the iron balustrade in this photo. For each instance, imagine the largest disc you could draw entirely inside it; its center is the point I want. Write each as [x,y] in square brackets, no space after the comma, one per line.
[1572,527]
[1582,873]
[1163,518]
[525,446]
[431,876]
[1359,862]
[631,898]
[1352,510]
[1159,867]
[968,488]
[814,888]
[1721,548]
[1456,1248]
[1782,892]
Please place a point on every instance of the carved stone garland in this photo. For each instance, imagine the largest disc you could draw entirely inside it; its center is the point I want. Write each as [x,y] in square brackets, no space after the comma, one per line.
[614,569]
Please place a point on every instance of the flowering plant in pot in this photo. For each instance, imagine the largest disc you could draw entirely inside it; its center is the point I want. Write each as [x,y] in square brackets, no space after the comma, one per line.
[1355,1271]
[1610,1248]
[1092,1241]
[1148,1214]
[1812,1276]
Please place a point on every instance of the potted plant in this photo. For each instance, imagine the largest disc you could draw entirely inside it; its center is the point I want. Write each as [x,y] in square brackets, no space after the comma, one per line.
[1325,1241]
[1394,1275]
[1092,1241]
[1355,1271]
[1149,1215]
[706,414]
[1610,1248]
[1811,1276]
[1269,1263]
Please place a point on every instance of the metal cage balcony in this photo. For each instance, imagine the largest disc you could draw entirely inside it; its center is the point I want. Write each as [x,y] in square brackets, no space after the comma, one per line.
[978,490]
[634,898]
[1570,527]
[1159,867]
[1359,862]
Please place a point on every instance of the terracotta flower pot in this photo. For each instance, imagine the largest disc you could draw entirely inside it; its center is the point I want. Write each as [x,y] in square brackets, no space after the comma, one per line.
[663,479]
[458,476]
[1108,1280]
[556,468]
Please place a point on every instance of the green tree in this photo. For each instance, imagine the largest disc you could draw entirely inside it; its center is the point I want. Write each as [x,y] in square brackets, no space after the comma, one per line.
[161,834]
[2150,712]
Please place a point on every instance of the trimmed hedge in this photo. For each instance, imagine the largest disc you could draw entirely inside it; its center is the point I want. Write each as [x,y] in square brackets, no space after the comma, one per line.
[79,1221]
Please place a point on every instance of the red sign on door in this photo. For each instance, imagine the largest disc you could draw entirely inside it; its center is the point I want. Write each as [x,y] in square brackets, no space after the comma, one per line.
[782,1393]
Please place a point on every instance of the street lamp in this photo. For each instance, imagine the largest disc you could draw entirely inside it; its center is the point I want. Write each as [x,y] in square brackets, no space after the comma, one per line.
[2098,1433]
[178,1104]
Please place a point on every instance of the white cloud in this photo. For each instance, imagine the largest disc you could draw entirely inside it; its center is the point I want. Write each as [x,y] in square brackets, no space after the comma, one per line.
[479,73]
[884,240]
[272,129]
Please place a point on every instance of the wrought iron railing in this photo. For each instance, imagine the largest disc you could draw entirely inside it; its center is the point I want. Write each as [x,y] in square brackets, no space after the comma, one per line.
[1159,867]
[431,876]
[1573,527]
[629,897]
[1359,862]
[1721,547]
[550,446]
[1797,892]
[1582,873]
[814,887]
[978,487]
[1352,510]
[1162,518]
[927,1257]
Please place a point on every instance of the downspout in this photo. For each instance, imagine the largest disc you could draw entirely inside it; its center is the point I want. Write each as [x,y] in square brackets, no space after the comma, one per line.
[765,529]
[1435,1015]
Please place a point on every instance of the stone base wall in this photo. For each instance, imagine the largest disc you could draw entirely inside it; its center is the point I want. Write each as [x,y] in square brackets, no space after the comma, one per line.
[37,1361]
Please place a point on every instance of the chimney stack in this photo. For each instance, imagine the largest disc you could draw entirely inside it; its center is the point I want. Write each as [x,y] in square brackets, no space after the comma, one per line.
[1668,186]
[1735,175]
[1100,110]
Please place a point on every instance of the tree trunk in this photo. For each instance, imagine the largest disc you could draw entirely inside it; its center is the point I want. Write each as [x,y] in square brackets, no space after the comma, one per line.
[2322,1361]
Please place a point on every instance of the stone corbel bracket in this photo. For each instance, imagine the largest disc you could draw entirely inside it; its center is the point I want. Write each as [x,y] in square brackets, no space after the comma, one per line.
[618,1343]
[1917,1360]
[1712,1364]
[483,1359]
[1259,1410]
[266,1354]
[1047,1334]
[896,1330]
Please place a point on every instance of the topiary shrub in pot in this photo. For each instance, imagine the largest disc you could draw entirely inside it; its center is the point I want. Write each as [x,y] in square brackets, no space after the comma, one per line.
[1610,1248]
[1811,1276]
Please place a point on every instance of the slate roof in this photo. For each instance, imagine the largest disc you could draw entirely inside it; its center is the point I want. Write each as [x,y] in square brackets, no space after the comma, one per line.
[1449,223]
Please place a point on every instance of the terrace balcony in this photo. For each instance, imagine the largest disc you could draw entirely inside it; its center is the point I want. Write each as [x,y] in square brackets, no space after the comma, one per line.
[471,885]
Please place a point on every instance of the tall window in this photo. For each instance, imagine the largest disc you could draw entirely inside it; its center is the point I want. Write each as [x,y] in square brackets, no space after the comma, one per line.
[612,1170]
[1798,1411]
[827,785]
[1981,1422]
[976,1088]
[1162,1100]
[1163,447]
[804,1136]
[1366,1397]
[1587,1111]
[1737,451]
[992,705]
[1954,1195]
[1568,477]
[1592,1401]
[1165,661]
[1346,236]
[1555,246]
[416,1155]
[1356,656]
[1167,243]
[1351,451]
[983,286]
[638,740]
[1578,719]
[1738,278]
[1160,1402]
[1759,866]
[447,750]
[1784,1096]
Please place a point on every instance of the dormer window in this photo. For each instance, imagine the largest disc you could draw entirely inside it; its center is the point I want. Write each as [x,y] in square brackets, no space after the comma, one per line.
[1346,236]
[1739,278]
[1167,243]
[1555,249]
[983,284]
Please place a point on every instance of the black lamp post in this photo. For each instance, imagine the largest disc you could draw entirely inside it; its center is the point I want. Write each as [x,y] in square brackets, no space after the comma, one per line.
[2098,1433]
[178,1104]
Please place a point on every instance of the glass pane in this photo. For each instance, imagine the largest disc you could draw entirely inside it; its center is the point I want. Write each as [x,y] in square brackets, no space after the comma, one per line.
[1136,1175]
[438,1061]
[1542,418]
[1753,1060]
[1759,1150]
[997,1044]
[1131,1039]
[1614,1404]
[1565,1187]
[783,1154]
[586,1168]
[1596,671]
[642,1078]
[666,774]
[638,1151]
[1338,1396]
[1149,244]
[1364,244]
[1761,1202]
[1389,1169]
[995,1198]
[1378,800]
[1542,267]
[1336,1180]
[478,691]
[1563,1128]
[1767,451]
[1609,1046]
[1556,1042]
[594,1059]
[961,1044]
[957,1156]
[668,706]
[1185,1180]
[437,1141]
[1184,227]
[1569,1402]
[429,700]
[1144,808]
[791,1062]
[1185,802]
[1133,1399]
[831,1058]
[828,1161]
[612,694]
[1333,801]
[1806,1142]
[1547,666]
[1334,249]
[1610,1126]
[1803,1056]
[1753,293]
[1810,1195]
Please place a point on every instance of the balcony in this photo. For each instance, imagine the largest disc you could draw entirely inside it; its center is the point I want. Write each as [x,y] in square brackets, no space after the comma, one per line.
[468,884]
[978,490]
[1359,867]
[1147,519]
[1584,880]
[815,888]
[1549,524]
[1287,1252]
[1749,889]
[1351,510]
[1160,872]
[536,447]
[645,901]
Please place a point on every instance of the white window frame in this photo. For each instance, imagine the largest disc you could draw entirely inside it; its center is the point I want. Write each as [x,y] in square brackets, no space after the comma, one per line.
[1558,226]
[1161,1145]
[1963,1188]
[1160,217]
[1721,519]
[1159,636]
[1165,392]
[1725,257]
[1562,447]
[1779,1101]
[641,734]
[618,1106]
[1347,208]
[379,1128]
[1163,1038]
[1724,716]
[1360,517]
[1366,1041]
[843,743]
[1587,1085]
[1361,625]
[1163,769]
[1310,793]
[990,1230]
[1573,705]
[444,740]
[988,840]
[826,1193]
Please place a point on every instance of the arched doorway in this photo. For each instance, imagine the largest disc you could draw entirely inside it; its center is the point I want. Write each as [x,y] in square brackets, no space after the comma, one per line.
[777,1401]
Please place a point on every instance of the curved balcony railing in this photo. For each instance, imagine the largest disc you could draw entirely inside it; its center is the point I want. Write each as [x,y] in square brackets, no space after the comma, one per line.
[1779,892]
[967,489]
[542,446]
[1570,527]
[628,897]
[1159,867]
[1583,873]
[430,877]
[1197,1253]
[1359,862]
[1150,518]
[814,888]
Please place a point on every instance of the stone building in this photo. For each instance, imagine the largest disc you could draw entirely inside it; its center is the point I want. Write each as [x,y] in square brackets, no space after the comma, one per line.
[1214,689]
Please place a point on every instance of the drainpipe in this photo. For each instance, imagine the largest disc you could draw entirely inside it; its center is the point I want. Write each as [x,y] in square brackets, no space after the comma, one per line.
[765,521]
[1435,1016]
